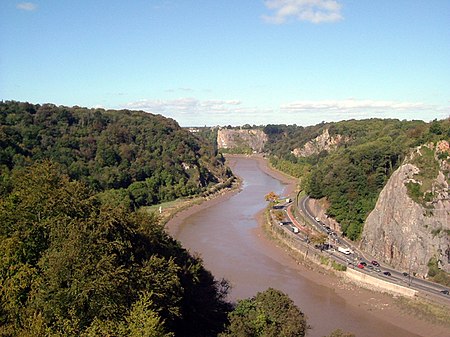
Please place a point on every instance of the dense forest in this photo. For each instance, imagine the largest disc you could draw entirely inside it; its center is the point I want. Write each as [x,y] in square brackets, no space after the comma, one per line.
[352,175]
[71,265]
[132,157]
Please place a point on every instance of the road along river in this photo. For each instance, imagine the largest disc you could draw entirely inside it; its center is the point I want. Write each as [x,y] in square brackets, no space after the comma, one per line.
[228,238]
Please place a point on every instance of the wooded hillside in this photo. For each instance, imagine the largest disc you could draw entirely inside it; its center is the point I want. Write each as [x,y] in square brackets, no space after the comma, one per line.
[71,266]
[140,158]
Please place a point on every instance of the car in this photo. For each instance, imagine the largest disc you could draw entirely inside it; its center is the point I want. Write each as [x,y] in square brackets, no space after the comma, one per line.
[370,266]
[387,273]
[360,266]
[445,292]
[405,274]
[375,263]
[363,263]
[378,270]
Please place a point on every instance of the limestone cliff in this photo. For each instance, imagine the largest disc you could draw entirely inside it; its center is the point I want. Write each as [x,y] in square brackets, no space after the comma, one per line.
[242,138]
[410,223]
[323,142]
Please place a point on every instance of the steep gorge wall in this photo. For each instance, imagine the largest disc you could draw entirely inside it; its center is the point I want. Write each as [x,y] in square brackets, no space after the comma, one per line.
[243,138]
[405,233]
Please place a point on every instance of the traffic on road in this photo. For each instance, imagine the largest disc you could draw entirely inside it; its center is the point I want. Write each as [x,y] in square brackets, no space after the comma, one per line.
[343,252]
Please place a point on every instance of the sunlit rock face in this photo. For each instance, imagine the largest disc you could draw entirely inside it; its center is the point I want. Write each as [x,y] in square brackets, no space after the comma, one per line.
[407,233]
[230,138]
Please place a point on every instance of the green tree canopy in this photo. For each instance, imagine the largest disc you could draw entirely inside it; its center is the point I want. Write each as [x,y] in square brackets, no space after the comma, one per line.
[71,266]
[270,313]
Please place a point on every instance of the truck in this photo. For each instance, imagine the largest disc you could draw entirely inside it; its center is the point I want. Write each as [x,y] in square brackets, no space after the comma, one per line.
[346,251]
[294,229]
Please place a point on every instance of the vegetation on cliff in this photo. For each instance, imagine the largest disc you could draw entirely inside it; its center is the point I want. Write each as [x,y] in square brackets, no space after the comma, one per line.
[428,159]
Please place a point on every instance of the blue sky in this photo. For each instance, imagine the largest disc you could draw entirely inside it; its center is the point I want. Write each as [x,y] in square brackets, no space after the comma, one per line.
[232,62]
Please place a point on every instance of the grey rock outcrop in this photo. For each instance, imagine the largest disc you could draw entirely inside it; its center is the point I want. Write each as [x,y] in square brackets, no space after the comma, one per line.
[252,138]
[323,142]
[405,233]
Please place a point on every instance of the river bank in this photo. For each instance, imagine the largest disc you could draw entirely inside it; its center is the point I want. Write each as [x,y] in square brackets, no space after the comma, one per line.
[380,306]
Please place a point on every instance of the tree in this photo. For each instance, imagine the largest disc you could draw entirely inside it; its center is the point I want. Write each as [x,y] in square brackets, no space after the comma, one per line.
[279,215]
[270,314]
[272,197]
[319,239]
[72,266]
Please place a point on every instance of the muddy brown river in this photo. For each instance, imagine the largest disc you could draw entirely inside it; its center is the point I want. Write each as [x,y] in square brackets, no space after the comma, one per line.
[226,237]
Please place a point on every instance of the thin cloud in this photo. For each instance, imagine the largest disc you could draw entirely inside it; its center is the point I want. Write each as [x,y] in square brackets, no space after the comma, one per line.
[315,11]
[190,111]
[353,104]
[27,6]
[185,105]
[335,110]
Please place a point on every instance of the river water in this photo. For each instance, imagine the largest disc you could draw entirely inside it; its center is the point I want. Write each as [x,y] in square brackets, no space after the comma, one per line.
[225,236]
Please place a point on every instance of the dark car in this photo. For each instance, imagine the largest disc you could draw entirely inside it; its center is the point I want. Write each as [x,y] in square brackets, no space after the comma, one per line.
[405,274]
[363,263]
[387,273]
[445,292]
[375,263]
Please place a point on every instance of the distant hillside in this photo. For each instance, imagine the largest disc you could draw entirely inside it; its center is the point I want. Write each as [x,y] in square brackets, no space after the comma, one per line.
[140,158]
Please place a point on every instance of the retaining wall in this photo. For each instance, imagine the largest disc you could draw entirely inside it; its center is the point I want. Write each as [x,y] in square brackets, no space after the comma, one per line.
[377,284]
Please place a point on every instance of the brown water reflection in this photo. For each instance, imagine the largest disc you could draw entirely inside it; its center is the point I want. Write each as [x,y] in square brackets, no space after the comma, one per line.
[224,235]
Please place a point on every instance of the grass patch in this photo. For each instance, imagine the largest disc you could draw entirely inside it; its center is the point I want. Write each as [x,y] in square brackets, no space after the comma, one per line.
[437,275]
[432,312]
[324,260]
[237,150]
[337,266]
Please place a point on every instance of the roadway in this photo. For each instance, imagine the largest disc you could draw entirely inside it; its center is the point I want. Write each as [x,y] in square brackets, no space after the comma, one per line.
[352,260]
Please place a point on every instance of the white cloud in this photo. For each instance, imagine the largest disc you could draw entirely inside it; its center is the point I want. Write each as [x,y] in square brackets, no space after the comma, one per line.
[189,111]
[26,6]
[353,104]
[335,110]
[315,11]
[183,105]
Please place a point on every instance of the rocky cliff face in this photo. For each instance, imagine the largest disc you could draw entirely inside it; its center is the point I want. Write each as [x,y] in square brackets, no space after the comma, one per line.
[411,220]
[323,142]
[230,138]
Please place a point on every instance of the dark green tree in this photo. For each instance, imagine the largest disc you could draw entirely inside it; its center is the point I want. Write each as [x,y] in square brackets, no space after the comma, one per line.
[270,313]
[71,265]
